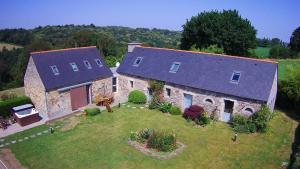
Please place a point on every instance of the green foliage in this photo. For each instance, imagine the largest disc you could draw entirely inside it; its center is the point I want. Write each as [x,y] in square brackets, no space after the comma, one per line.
[204,119]
[137,97]
[295,40]
[219,28]
[112,60]
[165,107]
[144,135]
[157,89]
[261,118]
[7,105]
[279,52]
[175,110]
[242,124]
[162,141]
[289,90]
[92,111]
[209,49]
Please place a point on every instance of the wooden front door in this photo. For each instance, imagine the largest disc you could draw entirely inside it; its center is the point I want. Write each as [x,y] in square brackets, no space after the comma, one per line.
[79,97]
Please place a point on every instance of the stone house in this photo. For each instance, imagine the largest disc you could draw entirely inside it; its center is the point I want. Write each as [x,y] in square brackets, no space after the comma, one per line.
[222,84]
[61,81]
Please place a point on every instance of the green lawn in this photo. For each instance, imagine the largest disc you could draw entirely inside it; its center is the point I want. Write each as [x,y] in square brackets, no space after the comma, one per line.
[262,52]
[101,142]
[284,64]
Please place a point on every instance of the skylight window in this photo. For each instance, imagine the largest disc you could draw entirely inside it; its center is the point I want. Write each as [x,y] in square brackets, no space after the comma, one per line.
[235,78]
[99,63]
[137,61]
[74,67]
[54,70]
[174,68]
[87,64]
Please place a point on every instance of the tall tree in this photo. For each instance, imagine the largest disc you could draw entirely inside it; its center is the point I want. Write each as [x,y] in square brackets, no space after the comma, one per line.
[226,29]
[295,40]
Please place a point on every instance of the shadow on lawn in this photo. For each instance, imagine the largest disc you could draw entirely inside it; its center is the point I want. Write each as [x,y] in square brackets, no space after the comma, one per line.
[293,163]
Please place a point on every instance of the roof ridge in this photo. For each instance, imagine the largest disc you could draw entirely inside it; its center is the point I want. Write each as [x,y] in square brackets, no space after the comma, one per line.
[59,50]
[224,55]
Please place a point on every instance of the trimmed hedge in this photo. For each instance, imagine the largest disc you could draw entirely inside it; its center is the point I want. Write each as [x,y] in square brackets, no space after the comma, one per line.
[92,111]
[7,105]
[137,97]
[175,110]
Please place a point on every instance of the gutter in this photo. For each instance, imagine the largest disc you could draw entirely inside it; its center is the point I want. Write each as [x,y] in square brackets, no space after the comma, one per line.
[73,86]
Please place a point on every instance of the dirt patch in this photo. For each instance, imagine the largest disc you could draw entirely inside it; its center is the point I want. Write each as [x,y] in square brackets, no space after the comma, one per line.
[9,159]
[70,123]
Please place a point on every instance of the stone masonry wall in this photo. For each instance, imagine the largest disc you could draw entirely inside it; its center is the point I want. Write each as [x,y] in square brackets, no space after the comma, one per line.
[102,87]
[199,96]
[34,88]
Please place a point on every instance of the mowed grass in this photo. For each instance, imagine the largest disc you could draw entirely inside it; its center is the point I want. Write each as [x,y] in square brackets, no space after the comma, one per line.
[285,64]
[262,52]
[8,46]
[101,142]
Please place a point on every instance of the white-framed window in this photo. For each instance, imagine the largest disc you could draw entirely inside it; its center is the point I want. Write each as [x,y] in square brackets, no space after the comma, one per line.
[54,70]
[174,68]
[87,64]
[74,67]
[168,90]
[99,63]
[137,61]
[235,77]
[131,83]
[114,84]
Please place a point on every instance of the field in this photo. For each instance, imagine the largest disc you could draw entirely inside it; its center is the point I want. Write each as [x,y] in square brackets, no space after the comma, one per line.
[101,142]
[8,46]
[285,64]
[16,91]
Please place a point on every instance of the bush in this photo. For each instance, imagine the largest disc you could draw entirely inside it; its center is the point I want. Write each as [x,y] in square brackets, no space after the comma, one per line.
[92,111]
[239,120]
[204,119]
[262,118]
[165,107]
[144,135]
[175,110]
[7,105]
[194,112]
[137,97]
[162,141]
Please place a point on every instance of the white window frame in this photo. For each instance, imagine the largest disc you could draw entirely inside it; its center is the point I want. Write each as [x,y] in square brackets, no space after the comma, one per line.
[97,62]
[137,64]
[115,85]
[233,74]
[87,64]
[55,70]
[74,67]
[173,64]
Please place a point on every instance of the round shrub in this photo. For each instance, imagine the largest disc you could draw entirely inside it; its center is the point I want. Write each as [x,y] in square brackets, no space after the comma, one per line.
[194,112]
[175,110]
[137,97]
[92,111]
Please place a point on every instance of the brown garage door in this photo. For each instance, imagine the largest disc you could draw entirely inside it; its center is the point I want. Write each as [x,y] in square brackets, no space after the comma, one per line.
[78,97]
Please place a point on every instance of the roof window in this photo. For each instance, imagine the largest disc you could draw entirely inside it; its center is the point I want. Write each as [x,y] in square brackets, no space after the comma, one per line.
[99,63]
[87,64]
[54,70]
[235,78]
[137,61]
[174,68]
[74,67]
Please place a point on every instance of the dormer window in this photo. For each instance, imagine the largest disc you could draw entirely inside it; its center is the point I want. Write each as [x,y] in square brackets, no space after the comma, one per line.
[235,78]
[174,68]
[54,70]
[74,66]
[99,63]
[137,61]
[87,64]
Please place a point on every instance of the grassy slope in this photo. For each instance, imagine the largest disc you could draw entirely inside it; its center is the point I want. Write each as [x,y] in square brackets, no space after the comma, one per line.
[8,46]
[285,64]
[101,142]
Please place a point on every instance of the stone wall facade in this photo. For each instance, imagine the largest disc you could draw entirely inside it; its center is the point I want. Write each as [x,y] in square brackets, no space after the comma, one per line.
[34,88]
[54,104]
[199,97]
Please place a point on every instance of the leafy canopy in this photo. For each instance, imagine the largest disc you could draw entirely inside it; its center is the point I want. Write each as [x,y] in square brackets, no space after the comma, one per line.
[226,29]
[295,40]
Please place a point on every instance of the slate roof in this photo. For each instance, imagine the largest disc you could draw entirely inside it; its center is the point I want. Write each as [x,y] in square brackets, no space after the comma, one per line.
[211,72]
[62,59]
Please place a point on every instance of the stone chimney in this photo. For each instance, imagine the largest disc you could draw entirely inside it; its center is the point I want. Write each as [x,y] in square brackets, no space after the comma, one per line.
[132,45]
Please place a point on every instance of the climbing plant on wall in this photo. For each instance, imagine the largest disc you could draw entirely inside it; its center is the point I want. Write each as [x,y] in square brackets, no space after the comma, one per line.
[157,93]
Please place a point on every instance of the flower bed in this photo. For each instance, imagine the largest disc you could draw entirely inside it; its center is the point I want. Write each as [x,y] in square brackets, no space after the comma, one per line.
[162,145]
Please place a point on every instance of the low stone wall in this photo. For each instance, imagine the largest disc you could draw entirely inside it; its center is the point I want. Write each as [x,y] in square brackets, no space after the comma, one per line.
[199,96]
